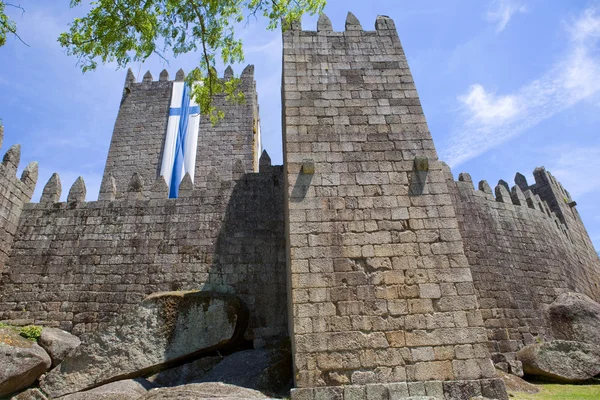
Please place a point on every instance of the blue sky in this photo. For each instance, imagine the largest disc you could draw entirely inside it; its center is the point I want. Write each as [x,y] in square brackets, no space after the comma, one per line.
[506,85]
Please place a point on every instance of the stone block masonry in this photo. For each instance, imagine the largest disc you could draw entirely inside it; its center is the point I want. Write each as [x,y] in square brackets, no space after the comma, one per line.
[391,279]
[139,133]
[14,194]
[381,294]
[77,264]
[525,247]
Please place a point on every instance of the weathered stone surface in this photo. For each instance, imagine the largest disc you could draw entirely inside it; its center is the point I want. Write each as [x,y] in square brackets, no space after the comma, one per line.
[58,344]
[30,394]
[561,361]
[200,391]
[575,317]
[21,362]
[266,370]
[129,389]
[376,261]
[165,327]
[507,364]
[185,373]
[515,384]
[190,243]
[521,256]
[516,367]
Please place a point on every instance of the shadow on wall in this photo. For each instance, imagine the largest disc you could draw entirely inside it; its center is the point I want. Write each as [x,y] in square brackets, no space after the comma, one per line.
[77,264]
[249,253]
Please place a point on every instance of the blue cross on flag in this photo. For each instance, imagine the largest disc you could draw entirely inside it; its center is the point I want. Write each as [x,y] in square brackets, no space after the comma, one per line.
[181,141]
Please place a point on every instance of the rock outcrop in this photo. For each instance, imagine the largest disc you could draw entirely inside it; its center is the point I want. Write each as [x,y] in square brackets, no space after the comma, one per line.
[561,361]
[186,373]
[575,317]
[515,384]
[164,330]
[30,394]
[129,389]
[21,362]
[266,370]
[58,344]
[200,391]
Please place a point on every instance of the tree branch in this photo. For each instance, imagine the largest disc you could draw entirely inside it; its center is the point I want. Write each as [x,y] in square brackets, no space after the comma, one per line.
[204,49]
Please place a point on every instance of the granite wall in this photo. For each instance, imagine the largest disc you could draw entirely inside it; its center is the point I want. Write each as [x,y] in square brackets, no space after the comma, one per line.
[14,194]
[77,264]
[139,132]
[382,302]
[523,253]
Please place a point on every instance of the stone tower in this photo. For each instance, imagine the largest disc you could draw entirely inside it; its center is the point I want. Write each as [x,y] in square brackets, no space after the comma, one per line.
[390,278]
[381,296]
[139,133]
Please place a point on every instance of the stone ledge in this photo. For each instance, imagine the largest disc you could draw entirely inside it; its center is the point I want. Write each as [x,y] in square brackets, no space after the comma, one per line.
[442,390]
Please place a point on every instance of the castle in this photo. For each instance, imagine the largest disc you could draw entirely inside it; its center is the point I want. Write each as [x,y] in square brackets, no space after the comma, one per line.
[390,277]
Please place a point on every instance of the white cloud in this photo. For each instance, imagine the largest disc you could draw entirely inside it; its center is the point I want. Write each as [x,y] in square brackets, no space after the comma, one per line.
[500,12]
[487,107]
[487,120]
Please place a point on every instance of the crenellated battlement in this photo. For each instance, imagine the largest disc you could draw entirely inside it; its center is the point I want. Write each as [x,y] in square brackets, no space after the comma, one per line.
[520,194]
[393,273]
[138,190]
[247,77]
[383,25]
[14,194]
[523,249]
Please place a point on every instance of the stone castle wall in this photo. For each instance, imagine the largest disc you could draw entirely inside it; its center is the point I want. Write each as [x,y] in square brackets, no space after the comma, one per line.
[381,295]
[14,194]
[522,256]
[77,264]
[399,280]
[139,133]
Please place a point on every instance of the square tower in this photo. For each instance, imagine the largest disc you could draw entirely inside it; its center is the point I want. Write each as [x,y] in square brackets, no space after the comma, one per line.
[381,300]
[140,130]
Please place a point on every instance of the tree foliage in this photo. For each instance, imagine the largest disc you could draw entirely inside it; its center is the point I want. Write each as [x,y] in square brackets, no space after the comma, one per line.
[7,25]
[125,31]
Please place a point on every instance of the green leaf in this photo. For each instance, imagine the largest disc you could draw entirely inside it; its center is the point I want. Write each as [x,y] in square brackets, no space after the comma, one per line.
[126,31]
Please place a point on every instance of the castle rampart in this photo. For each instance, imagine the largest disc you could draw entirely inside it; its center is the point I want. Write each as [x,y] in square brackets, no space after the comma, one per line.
[391,278]
[76,264]
[524,249]
[14,194]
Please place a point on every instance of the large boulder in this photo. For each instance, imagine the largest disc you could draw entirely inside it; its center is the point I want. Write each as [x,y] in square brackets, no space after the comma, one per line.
[186,373]
[21,362]
[575,317]
[515,384]
[129,389]
[30,394]
[202,391]
[266,370]
[58,344]
[164,330]
[561,361]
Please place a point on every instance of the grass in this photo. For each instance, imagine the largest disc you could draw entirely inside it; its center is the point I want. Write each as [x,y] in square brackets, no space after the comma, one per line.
[31,332]
[560,392]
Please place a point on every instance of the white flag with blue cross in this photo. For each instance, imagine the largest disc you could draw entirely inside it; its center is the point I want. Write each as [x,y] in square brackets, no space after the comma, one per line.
[181,141]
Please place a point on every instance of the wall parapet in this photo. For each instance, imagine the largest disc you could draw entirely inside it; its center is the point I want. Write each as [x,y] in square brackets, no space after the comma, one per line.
[139,191]
[525,245]
[519,195]
[14,194]
[75,264]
